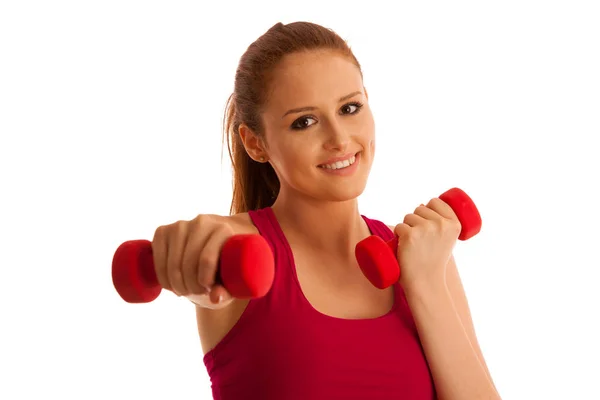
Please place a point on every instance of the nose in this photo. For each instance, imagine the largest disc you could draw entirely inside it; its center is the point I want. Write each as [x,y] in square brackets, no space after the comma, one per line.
[337,137]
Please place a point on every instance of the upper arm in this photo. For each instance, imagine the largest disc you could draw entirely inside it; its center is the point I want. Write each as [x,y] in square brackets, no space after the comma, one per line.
[214,324]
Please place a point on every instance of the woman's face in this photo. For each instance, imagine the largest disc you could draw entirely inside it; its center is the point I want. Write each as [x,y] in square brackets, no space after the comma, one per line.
[319,129]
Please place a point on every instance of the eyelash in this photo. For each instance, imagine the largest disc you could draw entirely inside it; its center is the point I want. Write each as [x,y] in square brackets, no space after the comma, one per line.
[295,126]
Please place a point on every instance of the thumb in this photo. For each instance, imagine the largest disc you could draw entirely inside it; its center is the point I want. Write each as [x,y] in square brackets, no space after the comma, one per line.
[219,295]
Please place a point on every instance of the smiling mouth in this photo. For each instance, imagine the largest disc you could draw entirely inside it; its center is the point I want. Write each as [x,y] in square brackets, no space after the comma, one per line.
[340,164]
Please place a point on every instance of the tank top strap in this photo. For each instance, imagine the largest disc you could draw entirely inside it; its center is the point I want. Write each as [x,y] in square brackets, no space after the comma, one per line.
[383,231]
[263,222]
[379,228]
[286,287]
[282,289]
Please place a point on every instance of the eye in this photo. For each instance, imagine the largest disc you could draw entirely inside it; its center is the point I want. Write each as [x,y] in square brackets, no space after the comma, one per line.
[302,123]
[347,109]
[351,108]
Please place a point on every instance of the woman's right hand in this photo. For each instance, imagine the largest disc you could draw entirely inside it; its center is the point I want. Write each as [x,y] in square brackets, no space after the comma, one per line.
[186,258]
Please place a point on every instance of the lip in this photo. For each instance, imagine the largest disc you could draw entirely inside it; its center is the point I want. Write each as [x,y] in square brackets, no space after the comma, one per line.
[336,159]
[343,172]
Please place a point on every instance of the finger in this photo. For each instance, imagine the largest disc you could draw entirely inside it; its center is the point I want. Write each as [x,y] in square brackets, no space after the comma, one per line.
[402,230]
[219,295]
[427,213]
[208,262]
[189,263]
[414,220]
[442,208]
[175,247]
[159,255]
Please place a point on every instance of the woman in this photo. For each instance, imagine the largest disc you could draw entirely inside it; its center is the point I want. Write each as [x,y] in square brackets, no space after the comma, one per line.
[302,142]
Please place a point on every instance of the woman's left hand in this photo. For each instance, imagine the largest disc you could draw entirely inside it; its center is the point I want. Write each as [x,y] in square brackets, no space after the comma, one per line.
[426,239]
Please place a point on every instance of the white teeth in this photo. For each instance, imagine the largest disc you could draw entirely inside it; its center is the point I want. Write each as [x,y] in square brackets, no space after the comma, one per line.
[340,164]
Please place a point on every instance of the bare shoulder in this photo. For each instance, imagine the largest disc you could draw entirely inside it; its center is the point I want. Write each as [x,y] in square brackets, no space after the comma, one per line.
[241,223]
[214,323]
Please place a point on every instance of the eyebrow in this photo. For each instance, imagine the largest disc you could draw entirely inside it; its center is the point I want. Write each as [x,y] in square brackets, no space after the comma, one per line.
[310,108]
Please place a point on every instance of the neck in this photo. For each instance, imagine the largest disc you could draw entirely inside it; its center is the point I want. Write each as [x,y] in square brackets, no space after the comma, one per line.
[334,227]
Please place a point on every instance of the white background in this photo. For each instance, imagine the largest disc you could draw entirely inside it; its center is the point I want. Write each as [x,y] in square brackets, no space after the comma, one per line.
[110,122]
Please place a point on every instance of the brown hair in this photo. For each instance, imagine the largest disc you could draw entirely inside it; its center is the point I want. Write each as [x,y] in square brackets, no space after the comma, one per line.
[255,184]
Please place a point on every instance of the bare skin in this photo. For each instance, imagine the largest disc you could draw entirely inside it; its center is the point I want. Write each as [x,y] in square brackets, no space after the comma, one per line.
[317,110]
[317,211]
[341,290]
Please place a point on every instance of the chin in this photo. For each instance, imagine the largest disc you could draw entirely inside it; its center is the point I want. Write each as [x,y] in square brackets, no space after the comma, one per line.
[342,192]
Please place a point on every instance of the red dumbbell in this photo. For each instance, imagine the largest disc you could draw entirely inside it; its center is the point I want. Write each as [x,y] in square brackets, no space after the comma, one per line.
[246,269]
[377,258]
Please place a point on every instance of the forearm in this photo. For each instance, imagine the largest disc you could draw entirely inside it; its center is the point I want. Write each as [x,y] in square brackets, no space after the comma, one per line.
[454,364]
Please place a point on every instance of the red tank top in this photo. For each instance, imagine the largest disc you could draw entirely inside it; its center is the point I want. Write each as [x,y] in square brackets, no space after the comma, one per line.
[282,348]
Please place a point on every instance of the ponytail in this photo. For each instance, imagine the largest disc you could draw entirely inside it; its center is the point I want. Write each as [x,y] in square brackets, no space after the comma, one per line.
[255,184]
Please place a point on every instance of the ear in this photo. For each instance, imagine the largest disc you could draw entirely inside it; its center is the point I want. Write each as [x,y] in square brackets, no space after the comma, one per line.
[254,145]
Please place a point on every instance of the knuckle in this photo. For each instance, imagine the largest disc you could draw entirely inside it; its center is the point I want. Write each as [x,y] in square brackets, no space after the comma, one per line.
[412,236]
[456,226]
[207,261]
[202,219]
[160,233]
[197,221]
[206,267]
[226,228]
[448,225]
[181,227]
[441,226]
[423,229]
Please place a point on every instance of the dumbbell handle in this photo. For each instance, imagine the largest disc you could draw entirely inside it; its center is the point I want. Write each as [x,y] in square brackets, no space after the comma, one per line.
[377,258]
[465,210]
[246,269]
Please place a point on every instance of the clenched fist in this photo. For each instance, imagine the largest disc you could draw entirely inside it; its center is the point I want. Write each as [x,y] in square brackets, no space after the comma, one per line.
[186,257]
[426,239]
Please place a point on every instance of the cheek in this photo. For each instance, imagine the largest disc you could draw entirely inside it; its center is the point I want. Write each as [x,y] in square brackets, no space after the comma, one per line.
[369,134]
[300,160]
[291,161]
